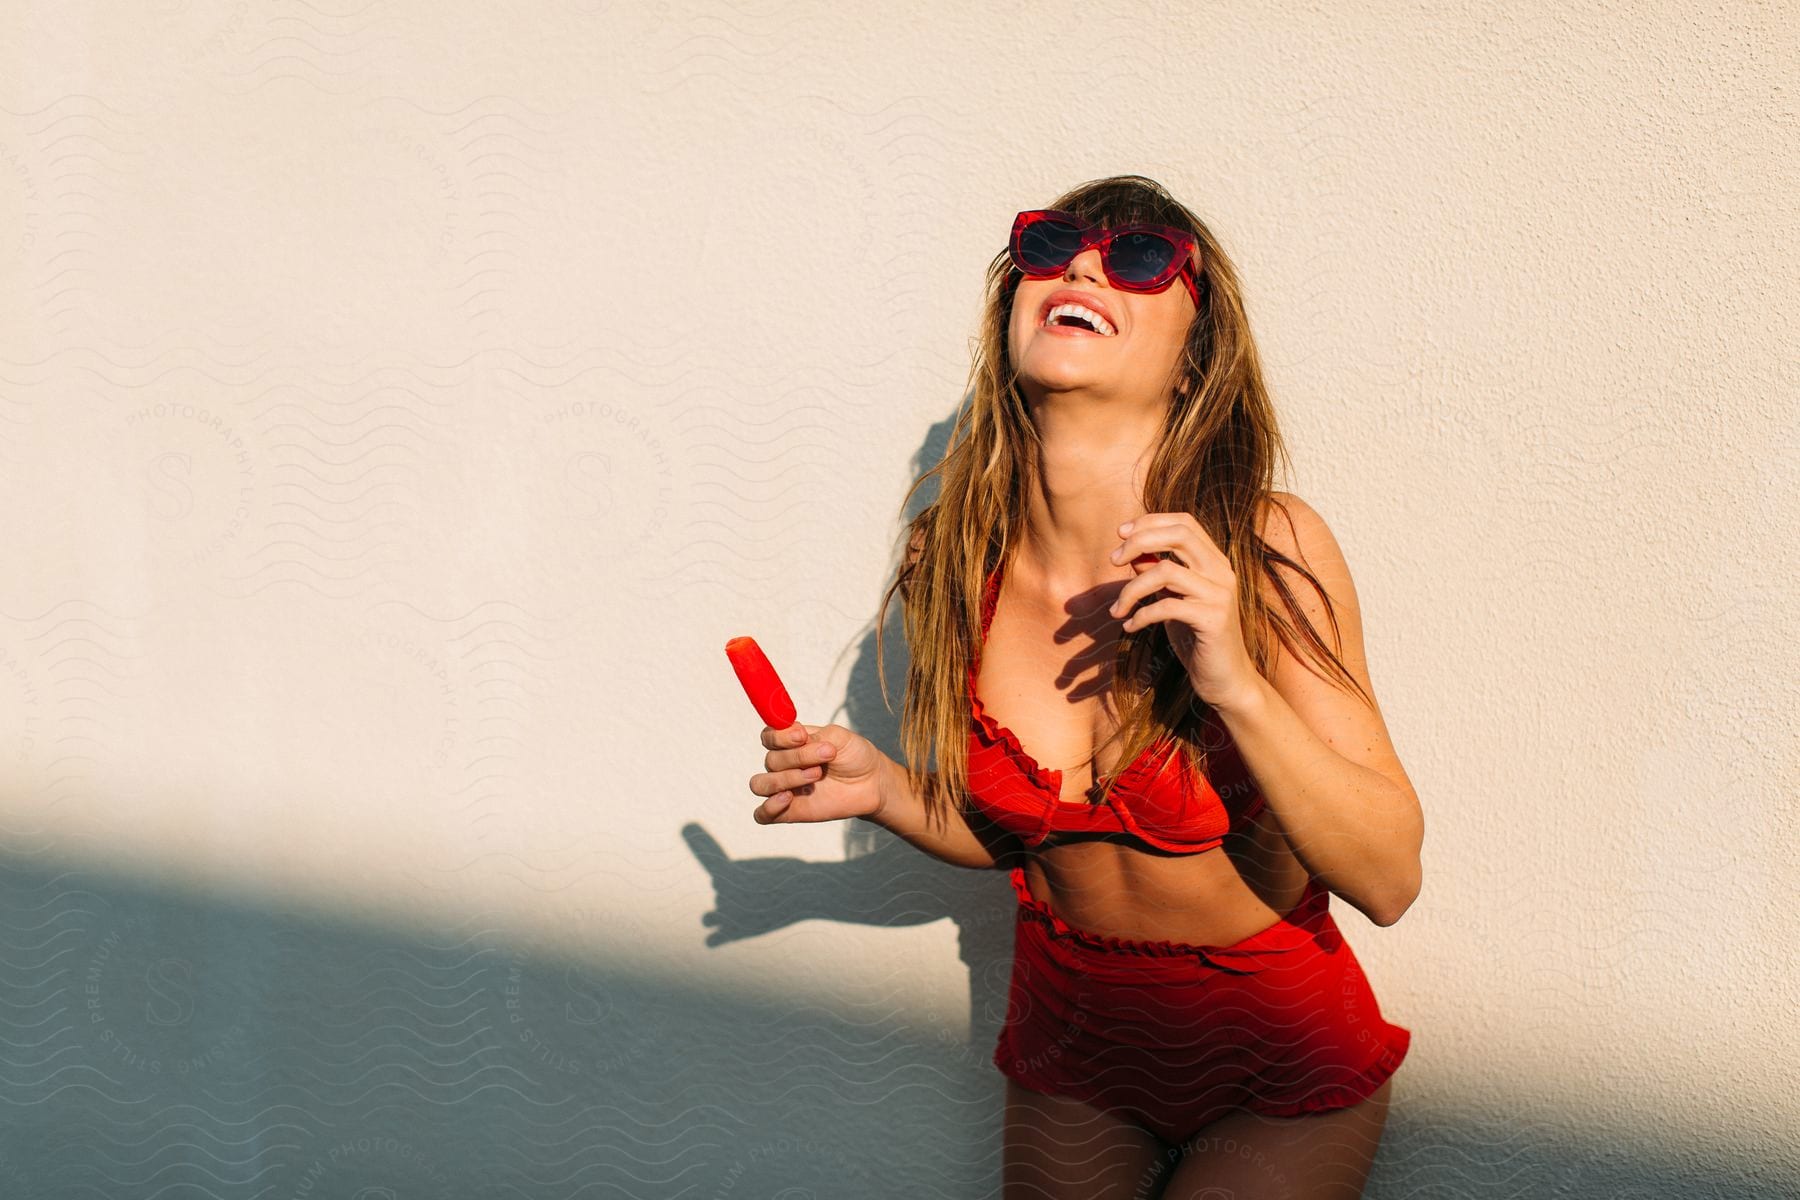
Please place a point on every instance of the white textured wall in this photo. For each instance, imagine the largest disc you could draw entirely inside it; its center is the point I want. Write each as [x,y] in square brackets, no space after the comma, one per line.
[402,404]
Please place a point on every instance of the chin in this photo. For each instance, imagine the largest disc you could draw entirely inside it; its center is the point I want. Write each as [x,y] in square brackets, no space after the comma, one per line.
[1053,364]
[1070,382]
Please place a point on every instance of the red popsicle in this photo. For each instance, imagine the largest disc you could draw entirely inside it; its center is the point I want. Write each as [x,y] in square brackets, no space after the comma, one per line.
[760,682]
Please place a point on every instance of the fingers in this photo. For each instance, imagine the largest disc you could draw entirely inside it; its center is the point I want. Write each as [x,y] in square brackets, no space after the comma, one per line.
[797,757]
[770,810]
[769,783]
[1146,583]
[793,735]
[1157,610]
[1149,545]
[1179,533]
[815,753]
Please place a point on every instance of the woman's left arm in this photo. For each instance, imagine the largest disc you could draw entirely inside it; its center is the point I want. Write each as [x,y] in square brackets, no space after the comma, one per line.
[1321,757]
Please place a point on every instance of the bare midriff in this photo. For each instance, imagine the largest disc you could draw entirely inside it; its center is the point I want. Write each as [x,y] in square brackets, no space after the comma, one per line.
[1119,886]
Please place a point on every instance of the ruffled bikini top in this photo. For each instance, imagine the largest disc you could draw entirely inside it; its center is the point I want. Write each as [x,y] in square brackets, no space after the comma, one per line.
[1179,810]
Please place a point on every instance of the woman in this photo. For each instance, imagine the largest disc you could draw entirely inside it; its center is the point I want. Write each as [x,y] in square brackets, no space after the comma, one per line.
[1107,582]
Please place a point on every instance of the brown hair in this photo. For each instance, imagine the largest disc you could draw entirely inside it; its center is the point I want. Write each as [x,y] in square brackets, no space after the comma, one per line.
[1215,459]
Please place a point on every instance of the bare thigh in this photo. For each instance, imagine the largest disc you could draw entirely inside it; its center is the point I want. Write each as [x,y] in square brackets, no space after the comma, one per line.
[1245,1156]
[1059,1148]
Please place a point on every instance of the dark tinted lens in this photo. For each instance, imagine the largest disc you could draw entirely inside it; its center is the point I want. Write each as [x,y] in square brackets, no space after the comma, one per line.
[1140,257]
[1049,245]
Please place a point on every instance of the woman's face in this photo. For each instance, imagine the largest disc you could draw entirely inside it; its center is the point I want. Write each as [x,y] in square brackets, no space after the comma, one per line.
[1132,356]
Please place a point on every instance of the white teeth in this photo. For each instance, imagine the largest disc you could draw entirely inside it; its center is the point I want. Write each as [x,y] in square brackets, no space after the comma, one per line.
[1087,314]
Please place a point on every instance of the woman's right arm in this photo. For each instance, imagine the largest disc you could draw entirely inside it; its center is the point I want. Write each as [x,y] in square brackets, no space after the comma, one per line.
[829,772]
[902,813]
[826,772]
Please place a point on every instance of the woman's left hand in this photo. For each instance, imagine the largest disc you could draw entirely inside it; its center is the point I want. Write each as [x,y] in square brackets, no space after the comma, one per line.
[1198,601]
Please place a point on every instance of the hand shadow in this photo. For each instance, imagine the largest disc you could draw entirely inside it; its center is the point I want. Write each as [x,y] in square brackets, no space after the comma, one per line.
[896,884]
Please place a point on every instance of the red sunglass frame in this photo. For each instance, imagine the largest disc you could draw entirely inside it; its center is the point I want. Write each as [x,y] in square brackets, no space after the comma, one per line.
[1181,264]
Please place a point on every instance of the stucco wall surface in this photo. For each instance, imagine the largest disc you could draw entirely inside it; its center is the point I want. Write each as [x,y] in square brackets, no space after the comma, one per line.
[402,403]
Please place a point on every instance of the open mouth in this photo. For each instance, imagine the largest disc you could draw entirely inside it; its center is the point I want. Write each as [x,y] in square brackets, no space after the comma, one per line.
[1069,316]
[1067,312]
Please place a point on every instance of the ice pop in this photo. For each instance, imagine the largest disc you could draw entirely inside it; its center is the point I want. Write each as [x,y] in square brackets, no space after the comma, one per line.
[760,682]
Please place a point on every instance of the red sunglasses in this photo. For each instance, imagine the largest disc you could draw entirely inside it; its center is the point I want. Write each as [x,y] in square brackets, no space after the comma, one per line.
[1136,258]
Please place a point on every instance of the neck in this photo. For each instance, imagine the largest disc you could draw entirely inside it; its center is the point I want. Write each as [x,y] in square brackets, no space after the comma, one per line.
[1091,481]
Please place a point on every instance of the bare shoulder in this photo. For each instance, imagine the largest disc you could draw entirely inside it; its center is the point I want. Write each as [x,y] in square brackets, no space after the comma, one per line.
[1292,526]
[1297,531]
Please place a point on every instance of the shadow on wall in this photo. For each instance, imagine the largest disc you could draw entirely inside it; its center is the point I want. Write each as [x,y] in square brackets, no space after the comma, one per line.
[155,1046]
[161,1046]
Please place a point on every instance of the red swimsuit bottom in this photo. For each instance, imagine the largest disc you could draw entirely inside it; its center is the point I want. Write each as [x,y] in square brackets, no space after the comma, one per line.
[1173,1035]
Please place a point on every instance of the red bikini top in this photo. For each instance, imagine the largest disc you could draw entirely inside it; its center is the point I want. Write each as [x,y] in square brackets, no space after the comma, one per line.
[1177,810]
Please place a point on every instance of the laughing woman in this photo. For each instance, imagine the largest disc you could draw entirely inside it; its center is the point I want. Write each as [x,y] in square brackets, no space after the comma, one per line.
[1141,670]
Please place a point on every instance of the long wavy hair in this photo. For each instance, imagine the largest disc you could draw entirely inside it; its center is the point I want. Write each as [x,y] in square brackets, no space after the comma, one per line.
[1215,458]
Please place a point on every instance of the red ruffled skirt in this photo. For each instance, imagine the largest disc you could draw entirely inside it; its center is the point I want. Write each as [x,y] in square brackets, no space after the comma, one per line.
[1174,1036]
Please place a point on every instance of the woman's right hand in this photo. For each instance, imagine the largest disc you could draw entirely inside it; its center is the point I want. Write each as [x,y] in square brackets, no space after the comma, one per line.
[817,773]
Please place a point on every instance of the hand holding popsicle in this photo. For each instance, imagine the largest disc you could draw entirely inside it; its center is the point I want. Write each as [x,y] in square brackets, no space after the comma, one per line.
[813,772]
